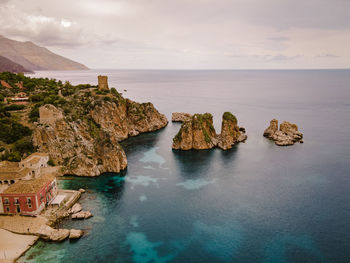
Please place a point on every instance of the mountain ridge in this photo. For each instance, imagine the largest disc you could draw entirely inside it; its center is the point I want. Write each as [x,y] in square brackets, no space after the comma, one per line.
[10,66]
[34,57]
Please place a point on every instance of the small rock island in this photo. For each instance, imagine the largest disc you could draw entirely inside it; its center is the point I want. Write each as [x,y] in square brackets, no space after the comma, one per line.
[288,133]
[197,132]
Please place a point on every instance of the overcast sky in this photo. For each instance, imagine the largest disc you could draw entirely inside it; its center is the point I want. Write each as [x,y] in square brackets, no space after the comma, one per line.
[203,34]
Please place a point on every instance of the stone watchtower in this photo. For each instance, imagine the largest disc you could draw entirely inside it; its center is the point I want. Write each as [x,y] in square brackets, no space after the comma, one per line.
[102,82]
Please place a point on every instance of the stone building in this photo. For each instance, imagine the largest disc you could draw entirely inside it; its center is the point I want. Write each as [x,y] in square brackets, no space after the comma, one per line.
[25,187]
[102,82]
[49,114]
[29,168]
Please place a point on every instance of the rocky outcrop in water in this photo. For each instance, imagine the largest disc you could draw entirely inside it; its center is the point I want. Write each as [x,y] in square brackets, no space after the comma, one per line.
[180,117]
[197,133]
[48,233]
[75,233]
[85,142]
[287,134]
[230,132]
[82,215]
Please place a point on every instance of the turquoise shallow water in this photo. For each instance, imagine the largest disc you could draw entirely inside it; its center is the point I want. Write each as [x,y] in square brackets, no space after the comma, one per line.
[255,203]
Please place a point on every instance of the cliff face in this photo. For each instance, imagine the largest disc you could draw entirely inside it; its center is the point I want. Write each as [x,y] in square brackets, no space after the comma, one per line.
[230,132]
[288,133]
[89,146]
[196,133]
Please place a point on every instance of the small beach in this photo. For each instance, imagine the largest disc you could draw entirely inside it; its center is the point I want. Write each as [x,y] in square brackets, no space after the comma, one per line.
[12,246]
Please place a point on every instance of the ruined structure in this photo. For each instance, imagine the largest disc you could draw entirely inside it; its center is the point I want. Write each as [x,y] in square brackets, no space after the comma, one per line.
[49,114]
[102,82]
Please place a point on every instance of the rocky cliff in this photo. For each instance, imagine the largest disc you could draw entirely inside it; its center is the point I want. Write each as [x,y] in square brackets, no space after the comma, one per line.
[288,133]
[86,141]
[230,132]
[196,133]
[199,133]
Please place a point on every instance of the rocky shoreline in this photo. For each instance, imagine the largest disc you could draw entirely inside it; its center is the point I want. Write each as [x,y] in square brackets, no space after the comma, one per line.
[42,226]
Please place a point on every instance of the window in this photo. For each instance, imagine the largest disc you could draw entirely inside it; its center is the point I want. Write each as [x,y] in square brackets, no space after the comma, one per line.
[12,181]
[7,209]
[16,201]
[29,202]
[7,201]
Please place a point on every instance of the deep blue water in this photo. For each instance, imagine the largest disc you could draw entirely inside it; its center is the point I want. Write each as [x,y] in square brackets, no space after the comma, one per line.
[255,203]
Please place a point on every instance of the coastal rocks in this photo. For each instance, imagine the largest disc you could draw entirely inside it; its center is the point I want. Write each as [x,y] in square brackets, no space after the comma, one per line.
[199,133]
[48,233]
[59,235]
[230,132]
[75,209]
[287,134]
[180,116]
[82,215]
[75,233]
[196,133]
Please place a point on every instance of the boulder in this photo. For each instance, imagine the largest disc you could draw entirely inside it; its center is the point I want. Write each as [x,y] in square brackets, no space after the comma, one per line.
[180,116]
[82,215]
[81,190]
[75,208]
[75,233]
[59,235]
[48,233]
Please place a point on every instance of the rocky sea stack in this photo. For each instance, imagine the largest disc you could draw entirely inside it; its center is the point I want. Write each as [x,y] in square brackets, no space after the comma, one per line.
[196,133]
[230,132]
[288,133]
[199,133]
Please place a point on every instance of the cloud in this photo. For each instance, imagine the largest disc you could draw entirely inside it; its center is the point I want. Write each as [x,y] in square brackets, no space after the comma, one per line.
[44,30]
[278,39]
[185,33]
[327,56]
[281,57]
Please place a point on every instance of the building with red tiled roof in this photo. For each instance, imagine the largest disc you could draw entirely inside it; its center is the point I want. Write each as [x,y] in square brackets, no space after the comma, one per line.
[29,197]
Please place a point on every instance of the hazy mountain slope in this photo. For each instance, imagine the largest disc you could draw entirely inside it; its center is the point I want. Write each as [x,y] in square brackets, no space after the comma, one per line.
[34,57]
[10,66]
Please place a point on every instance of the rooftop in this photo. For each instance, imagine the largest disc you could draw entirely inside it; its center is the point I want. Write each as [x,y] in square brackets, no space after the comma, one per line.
[34,158]
[32,186]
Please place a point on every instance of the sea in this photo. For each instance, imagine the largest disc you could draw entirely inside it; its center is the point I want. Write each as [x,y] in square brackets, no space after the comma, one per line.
[257,202]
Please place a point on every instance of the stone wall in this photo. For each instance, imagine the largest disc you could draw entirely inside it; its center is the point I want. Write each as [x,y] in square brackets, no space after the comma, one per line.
[49,114]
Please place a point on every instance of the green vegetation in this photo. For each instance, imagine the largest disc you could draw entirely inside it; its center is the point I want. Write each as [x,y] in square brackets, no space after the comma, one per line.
[76,101]
[51,162]
[229,117]
[11,131]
